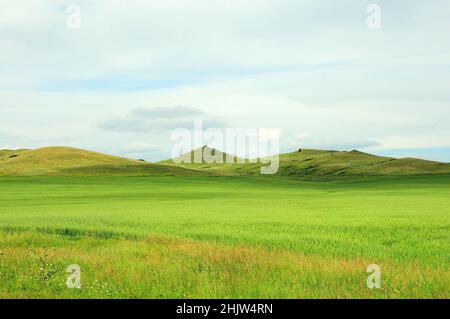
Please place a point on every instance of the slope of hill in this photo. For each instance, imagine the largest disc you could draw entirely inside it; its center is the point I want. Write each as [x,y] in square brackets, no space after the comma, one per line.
[307,163]
[72,161]
[195,160]
[354,163]
[332,164]
[5,154]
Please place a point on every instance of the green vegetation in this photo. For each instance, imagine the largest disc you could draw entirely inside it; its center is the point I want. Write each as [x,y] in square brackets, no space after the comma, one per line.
[6,154]
[319,164]
[67,161]
[206,237]
[162,230]
[307,164]
[198,156]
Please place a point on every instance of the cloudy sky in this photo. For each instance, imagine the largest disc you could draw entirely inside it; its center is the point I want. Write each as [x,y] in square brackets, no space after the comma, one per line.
[136,70]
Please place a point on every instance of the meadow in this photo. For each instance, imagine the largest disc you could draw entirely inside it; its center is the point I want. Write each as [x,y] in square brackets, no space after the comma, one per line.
[224,237]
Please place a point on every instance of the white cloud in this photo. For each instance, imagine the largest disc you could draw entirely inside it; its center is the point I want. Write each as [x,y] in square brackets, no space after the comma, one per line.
[159,119]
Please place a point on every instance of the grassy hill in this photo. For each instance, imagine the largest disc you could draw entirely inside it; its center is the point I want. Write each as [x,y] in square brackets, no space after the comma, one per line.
[6,154]
[189,160]
[304,164]
[309,163]
[67,161]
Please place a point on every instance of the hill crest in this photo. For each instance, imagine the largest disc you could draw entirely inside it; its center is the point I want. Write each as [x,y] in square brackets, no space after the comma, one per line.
[307,163]
[60,160]
[304,163]
[204,155]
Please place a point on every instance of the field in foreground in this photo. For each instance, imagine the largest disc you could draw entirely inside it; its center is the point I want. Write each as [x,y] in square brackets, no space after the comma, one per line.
[224,237]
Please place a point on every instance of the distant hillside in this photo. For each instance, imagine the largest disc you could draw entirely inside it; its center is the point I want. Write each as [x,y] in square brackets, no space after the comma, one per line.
[72,161]
[5,154]
[307,163]
[321,163]
[188,160]
[198,154]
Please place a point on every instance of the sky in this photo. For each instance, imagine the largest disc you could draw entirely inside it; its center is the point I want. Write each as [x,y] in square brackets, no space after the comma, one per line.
[133,71]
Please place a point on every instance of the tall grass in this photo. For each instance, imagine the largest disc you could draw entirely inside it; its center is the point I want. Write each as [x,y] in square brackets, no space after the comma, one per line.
[225,237]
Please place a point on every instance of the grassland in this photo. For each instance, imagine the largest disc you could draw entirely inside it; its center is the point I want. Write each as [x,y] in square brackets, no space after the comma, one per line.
[206,237]
[306,164]
[68,161]
[319,165]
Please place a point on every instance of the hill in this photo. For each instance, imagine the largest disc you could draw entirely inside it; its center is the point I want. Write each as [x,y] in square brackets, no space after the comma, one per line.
[309,163]
[67,161]
[303,164]
[5,154]
[190,160]
[192,156]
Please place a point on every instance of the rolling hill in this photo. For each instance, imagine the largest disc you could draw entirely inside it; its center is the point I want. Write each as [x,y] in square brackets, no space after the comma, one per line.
[6,154]
[302,164]
[309,163]
[188,160]
[205,149]
[67,161]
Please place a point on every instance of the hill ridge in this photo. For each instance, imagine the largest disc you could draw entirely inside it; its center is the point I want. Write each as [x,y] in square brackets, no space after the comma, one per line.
[306,163]
[196,156]
[303,163]
[68,161]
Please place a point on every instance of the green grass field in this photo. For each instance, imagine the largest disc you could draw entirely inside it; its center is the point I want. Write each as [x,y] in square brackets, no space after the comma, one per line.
[224,237]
